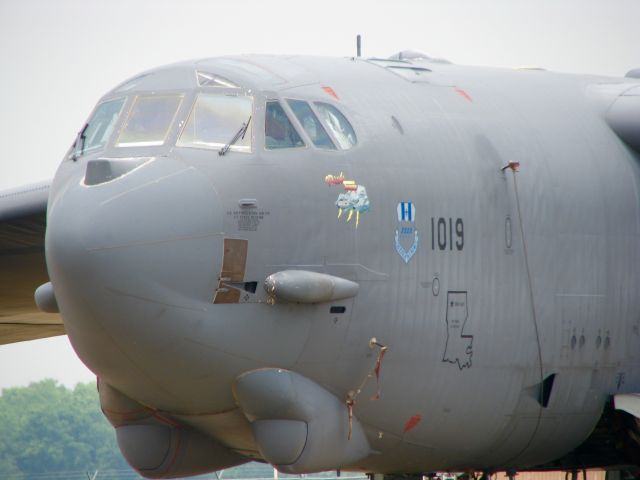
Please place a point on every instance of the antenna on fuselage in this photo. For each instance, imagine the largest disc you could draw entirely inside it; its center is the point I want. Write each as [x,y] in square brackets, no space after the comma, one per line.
[358,46]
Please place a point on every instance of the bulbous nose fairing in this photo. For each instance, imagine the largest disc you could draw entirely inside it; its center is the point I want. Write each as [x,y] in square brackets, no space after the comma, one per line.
[124,254]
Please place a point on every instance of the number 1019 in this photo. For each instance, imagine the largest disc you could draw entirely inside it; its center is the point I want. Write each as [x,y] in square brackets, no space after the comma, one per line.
[447,233]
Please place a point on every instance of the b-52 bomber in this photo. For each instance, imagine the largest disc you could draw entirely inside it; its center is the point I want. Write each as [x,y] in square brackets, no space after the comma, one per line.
[396,266]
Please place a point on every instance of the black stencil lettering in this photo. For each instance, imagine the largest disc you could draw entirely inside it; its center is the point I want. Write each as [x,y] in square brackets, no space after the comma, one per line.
[442,233]
[459,234]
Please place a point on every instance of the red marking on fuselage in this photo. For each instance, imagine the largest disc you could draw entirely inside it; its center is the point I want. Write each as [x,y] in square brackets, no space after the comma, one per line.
[331,92]
[463,94]
[175,454]
[165,419]
[412,422]
[129,414]
[376,369]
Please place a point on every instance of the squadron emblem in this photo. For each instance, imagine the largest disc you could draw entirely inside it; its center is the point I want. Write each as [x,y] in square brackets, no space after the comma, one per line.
[406,233]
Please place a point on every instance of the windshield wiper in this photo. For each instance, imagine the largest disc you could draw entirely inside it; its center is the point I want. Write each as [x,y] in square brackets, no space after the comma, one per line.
[83,138]
[80,138]
[239,134]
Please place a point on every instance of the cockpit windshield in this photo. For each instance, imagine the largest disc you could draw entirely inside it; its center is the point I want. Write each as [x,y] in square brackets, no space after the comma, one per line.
[278,130]
[214,121]
[97,131]
[149,120]
[311,124]
[338,124]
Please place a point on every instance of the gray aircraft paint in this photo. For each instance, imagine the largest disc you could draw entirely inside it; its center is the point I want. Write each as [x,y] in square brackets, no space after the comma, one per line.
[516,275]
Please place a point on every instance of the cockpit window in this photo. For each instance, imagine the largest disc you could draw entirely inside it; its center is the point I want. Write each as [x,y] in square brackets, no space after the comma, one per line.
[337,123]
[215,120]
[278,130]
[311,124]
[97,131]
[206,79]
[149,120]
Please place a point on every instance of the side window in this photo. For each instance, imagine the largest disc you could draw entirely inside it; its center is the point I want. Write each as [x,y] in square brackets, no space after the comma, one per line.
[215,120]
[278,130]
[149,120]
[311,124]
[338,125]
[98,129]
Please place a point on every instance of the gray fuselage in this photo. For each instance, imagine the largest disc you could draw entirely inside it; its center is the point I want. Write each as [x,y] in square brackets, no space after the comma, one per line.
[499,280]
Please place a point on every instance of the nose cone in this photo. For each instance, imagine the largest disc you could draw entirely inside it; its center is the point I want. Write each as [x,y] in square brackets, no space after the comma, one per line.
[125,255]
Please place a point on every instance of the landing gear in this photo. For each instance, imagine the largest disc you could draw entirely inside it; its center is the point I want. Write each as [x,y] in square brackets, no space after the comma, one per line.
[572,475]
[382,476]
[622,475]
[470,475]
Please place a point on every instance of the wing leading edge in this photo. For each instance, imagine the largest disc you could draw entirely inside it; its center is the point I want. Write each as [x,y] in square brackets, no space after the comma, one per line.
[22,265]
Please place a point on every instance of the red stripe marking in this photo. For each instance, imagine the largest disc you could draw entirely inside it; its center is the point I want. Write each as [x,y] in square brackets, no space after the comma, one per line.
[331,92]
[167,470]
[412,422]
[166,420]
[463,94]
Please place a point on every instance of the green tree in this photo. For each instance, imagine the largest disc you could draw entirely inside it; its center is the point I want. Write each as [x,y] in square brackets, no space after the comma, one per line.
[47,427]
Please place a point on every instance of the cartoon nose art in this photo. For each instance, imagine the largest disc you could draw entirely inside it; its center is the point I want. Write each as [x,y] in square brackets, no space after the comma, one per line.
[353,199]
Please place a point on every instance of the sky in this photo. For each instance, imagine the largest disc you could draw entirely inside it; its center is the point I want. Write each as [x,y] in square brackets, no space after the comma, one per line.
[58,57]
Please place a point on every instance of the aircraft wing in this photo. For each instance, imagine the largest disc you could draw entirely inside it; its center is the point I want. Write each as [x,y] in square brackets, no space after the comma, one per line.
[22,265]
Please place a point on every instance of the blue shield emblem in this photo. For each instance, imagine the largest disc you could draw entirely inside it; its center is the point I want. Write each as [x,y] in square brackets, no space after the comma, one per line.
[406,234]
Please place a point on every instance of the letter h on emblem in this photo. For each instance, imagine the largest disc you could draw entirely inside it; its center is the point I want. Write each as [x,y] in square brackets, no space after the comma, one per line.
[405,212]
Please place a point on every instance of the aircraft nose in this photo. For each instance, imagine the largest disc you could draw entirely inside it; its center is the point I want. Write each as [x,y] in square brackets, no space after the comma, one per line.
[122,252]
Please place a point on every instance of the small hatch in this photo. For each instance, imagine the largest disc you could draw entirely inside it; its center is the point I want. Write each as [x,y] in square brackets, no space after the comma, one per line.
[411,73]
[405,69]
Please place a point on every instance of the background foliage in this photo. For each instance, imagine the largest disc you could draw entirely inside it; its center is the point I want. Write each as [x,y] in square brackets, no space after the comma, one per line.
[50,432]
[47,427]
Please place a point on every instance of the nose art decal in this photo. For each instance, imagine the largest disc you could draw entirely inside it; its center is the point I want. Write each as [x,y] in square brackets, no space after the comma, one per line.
[353,199]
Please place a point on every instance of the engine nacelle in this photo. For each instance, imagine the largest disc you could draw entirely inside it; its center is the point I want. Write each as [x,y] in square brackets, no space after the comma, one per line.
[159,450]
[299,427]
[156,446]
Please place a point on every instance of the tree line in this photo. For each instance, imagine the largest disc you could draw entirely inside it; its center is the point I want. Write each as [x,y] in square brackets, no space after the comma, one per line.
[51,432]
[47,427]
